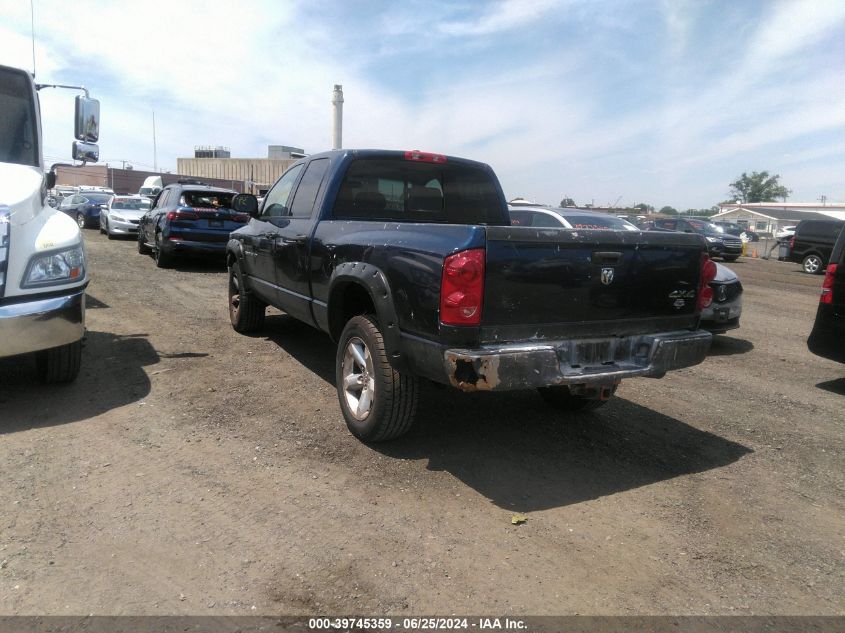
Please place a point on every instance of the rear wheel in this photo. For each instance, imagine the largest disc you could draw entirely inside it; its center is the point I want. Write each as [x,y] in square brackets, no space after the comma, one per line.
[561,397]
[59,364]
[378,403]
[812,264]
[246,311]
[143,249]
[163,260]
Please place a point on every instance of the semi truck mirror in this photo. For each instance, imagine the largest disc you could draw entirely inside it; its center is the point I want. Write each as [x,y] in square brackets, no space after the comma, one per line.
[87,120]
[86,152]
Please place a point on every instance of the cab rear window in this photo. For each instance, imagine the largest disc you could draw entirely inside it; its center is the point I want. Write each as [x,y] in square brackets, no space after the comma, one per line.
[399,190]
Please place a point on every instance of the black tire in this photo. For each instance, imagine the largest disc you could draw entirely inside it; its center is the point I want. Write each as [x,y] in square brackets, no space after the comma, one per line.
[813,264]
[392,397]
[730,258]
[163,260]
[246,311]
[59,364]
[80,221]
[143,249]
[561,398]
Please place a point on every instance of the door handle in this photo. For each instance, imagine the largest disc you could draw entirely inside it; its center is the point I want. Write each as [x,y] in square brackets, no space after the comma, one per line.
[607,257]
[299,240]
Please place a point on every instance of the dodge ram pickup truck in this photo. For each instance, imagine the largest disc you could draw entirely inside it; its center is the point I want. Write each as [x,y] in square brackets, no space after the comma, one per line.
[409,261]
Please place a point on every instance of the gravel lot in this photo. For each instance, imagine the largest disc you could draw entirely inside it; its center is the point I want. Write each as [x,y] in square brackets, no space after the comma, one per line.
[191,470]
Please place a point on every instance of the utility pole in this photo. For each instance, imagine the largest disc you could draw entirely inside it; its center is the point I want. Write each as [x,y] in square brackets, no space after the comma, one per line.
[823,200]
[155,153]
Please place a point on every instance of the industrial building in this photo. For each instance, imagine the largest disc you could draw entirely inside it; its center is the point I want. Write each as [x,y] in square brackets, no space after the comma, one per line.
[768,217]
[257,174]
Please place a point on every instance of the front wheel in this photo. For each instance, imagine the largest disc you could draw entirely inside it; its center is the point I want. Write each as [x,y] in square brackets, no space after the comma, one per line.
[143,249]
[378,403]
[59,364]
[560,397]
[246,312]
[812,264]
[80,220]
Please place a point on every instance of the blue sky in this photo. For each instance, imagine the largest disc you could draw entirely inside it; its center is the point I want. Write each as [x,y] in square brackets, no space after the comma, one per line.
[656,102]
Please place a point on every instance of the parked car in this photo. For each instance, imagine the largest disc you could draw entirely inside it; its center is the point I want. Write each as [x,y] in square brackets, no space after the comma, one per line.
[786,231]
[568,217]
[743,233]
[827,338]
[188,217]
[813,242]
[410,262]
[725,309]
[122,215]
[85,207]
[728,247]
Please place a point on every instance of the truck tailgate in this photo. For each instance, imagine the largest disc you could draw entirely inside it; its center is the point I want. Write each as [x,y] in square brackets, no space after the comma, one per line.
[561,283]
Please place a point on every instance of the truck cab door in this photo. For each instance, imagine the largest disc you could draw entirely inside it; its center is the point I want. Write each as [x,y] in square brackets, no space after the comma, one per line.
[293,242]
[260,238]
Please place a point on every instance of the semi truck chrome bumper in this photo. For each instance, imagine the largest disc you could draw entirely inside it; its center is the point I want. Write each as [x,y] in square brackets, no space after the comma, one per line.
[39,324]
[574,362]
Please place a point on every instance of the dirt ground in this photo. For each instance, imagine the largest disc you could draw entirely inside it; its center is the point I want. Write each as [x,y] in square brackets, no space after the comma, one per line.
[192,470]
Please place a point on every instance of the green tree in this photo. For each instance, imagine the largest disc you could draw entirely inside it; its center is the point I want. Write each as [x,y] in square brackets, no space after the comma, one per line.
[568,202]
[758,187]
[669,211]
[644,208]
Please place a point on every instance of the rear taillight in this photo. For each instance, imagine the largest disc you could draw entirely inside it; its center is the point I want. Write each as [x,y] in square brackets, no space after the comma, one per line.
[182,215]
[708,274]
[240,217]
[827,284]
[462,288]
[424,157]
[792,242]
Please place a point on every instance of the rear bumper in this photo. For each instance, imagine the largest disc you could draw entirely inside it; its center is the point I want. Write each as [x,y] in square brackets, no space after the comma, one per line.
[40,324]
[177,246]
[574,362]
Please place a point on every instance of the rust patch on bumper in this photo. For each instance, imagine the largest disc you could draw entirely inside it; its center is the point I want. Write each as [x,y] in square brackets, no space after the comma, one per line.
[469,374]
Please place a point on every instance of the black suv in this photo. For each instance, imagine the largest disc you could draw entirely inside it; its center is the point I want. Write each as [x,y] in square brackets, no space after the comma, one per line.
[719,244]
[188,217]
[813,242]
[828,336]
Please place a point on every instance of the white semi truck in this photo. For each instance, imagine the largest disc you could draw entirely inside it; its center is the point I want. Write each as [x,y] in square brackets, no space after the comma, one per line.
[43,271]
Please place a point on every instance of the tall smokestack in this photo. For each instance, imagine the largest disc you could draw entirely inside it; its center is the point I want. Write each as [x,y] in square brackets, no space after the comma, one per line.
[337,117]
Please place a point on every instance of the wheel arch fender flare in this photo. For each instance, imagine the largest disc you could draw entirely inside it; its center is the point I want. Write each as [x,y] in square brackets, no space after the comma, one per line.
[372,280]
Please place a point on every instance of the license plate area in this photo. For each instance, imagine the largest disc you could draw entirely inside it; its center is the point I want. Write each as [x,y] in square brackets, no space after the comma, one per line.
[215,224]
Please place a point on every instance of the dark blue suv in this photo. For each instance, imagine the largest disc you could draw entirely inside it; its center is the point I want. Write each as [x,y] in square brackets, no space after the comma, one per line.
[85,207]
[188,218]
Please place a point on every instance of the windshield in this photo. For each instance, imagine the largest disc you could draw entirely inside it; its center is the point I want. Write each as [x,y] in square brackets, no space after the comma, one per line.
[18,131]
[704,227]
[131,204]
[97,197]
[207,199]
[598,222]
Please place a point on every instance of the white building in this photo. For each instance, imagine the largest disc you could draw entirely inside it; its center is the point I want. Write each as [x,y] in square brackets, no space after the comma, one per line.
[768,217]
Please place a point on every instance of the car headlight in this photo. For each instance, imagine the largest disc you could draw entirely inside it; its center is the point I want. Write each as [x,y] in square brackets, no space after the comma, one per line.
[117,218]
[714,239]
[64,266]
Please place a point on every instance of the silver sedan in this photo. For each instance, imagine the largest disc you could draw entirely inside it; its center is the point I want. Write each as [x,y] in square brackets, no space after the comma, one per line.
[122,215]
[724,311]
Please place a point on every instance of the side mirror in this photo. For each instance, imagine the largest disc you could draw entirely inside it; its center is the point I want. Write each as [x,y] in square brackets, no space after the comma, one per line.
[86,152]
[87,120]
[246,203]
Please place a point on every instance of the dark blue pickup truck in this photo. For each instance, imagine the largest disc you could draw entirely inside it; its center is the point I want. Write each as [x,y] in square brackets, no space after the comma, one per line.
[410,262]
